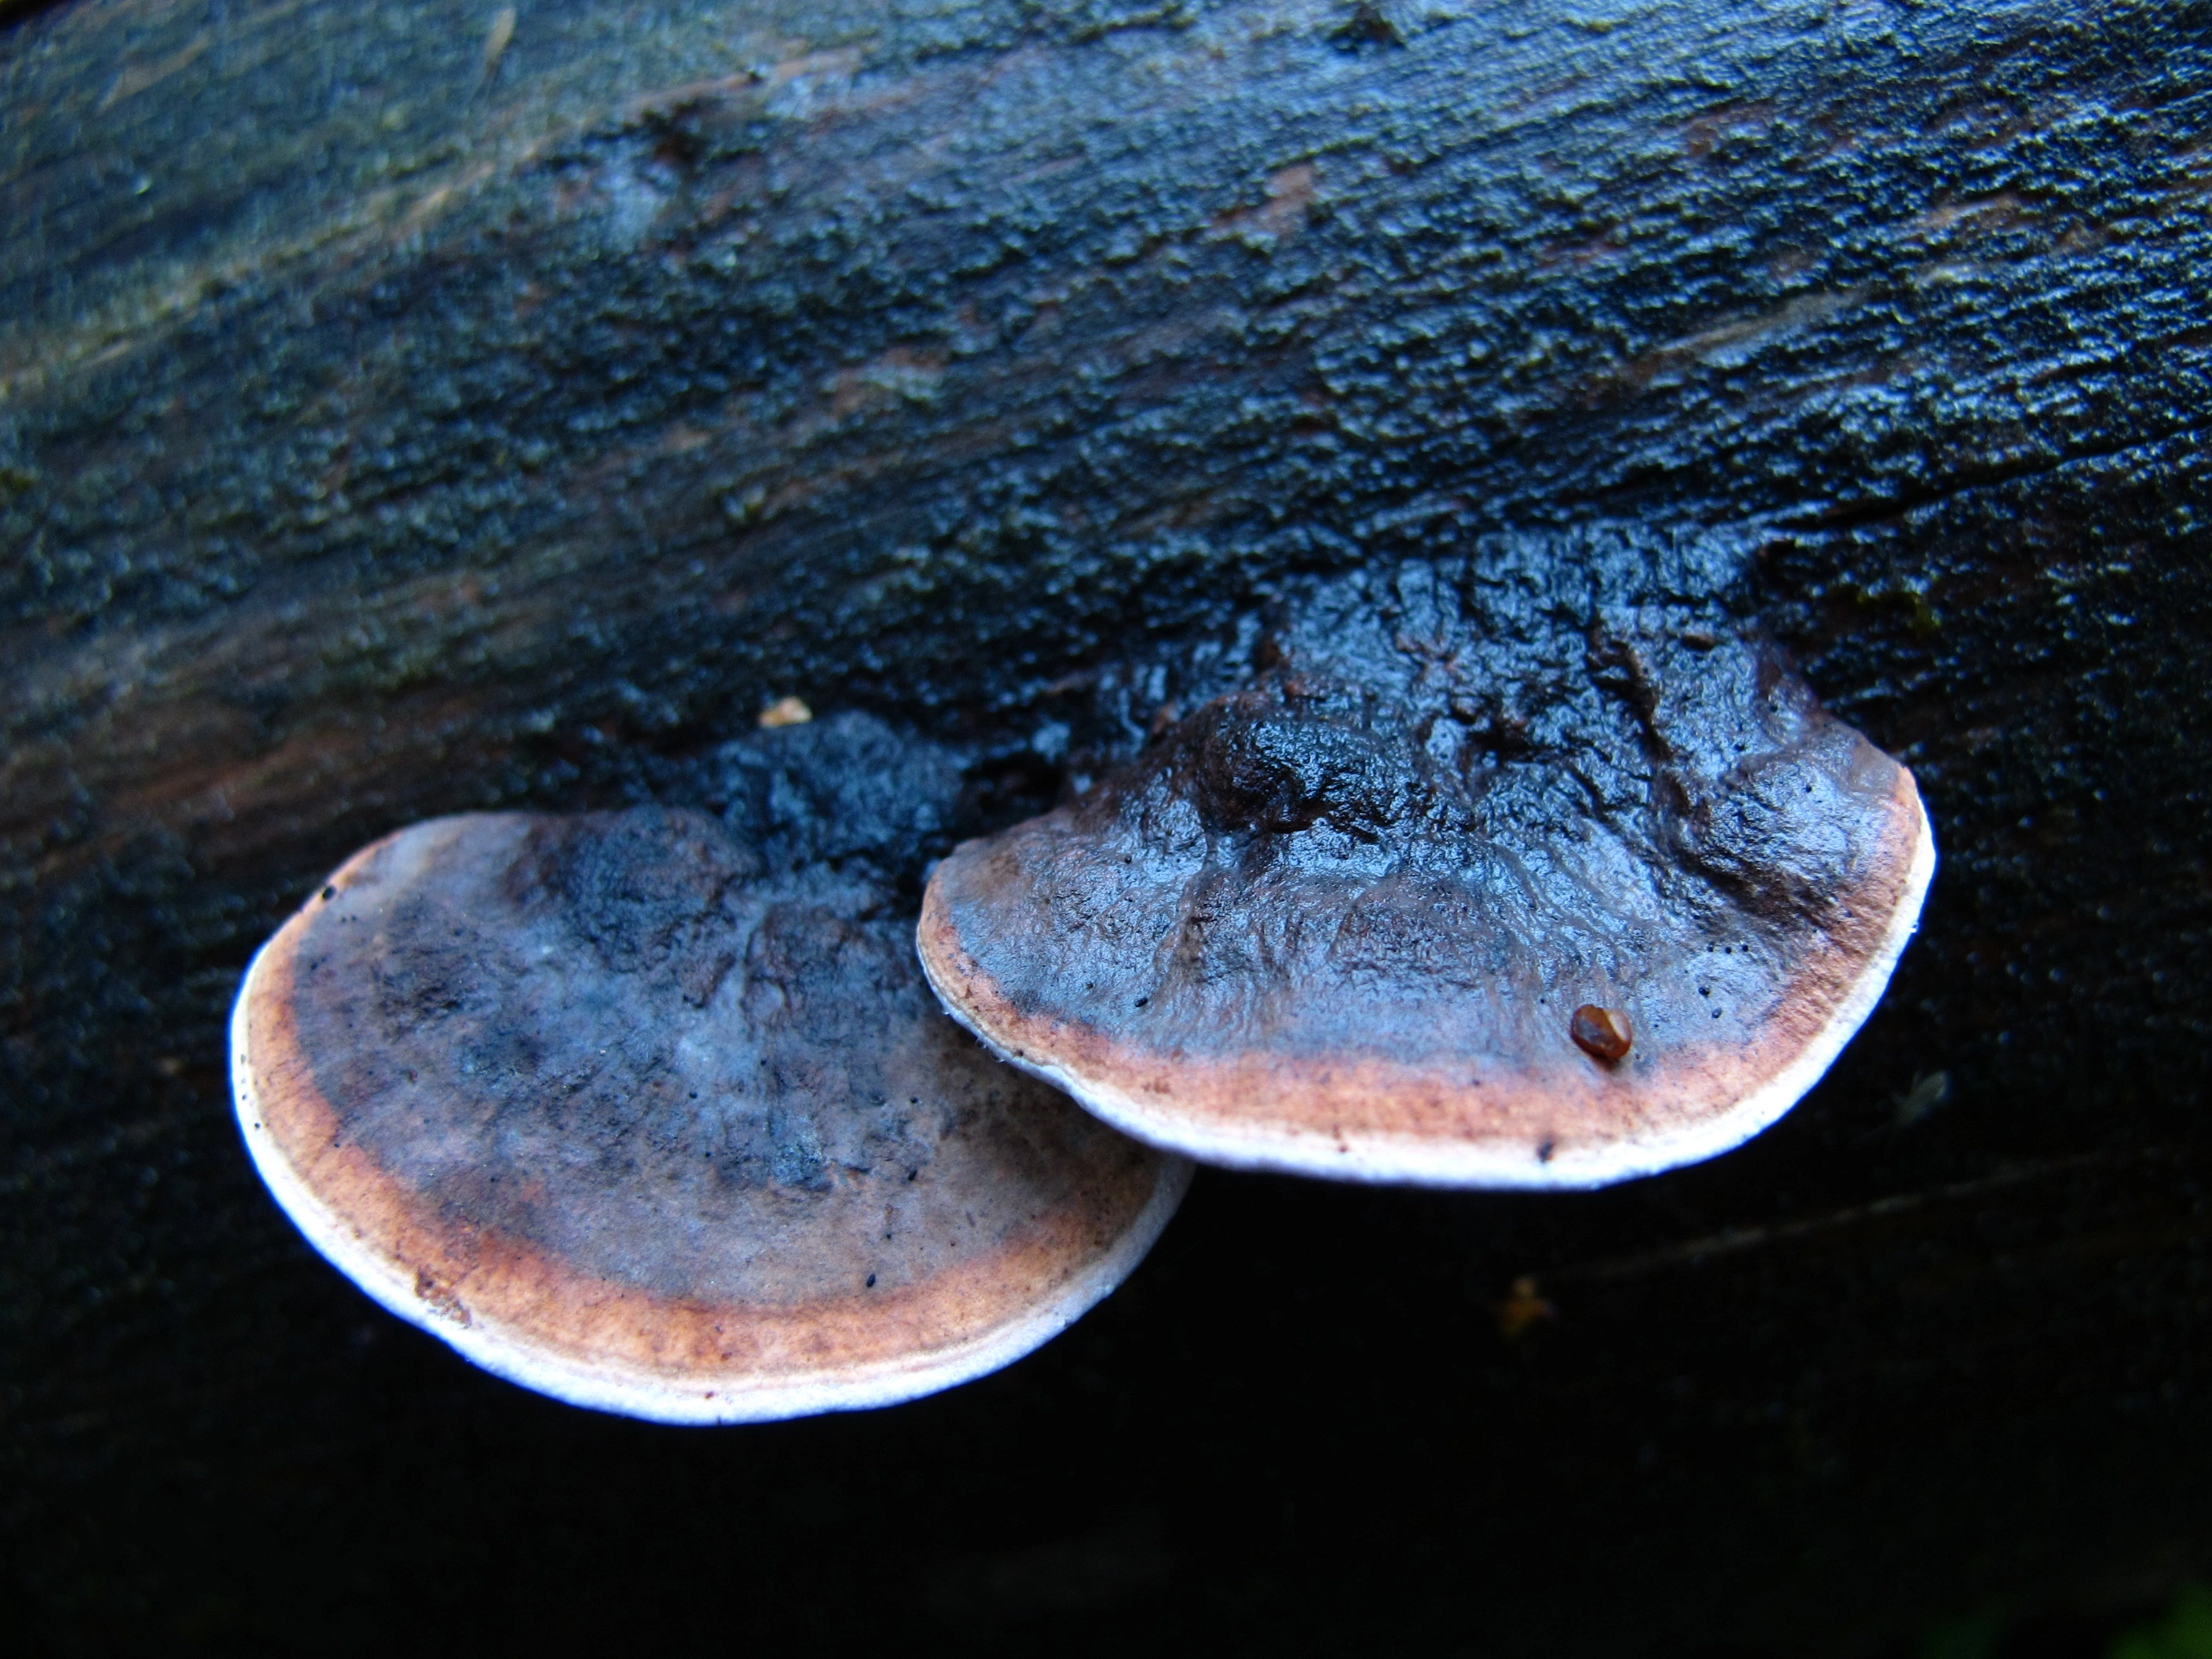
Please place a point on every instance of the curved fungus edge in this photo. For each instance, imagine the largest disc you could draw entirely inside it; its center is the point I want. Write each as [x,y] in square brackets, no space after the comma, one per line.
[966,989]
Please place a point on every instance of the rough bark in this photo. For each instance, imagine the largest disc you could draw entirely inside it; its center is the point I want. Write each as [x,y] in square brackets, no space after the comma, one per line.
[403,412]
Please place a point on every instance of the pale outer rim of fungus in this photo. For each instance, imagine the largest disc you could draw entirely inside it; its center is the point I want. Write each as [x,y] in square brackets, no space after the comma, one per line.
[1409,1161]
[658,1398]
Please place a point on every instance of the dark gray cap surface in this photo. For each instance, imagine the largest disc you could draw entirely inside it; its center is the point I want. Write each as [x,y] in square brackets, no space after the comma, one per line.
[1477,878]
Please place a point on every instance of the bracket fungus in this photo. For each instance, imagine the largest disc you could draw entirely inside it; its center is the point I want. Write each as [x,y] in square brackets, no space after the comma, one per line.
[1501,871]
[634,1114]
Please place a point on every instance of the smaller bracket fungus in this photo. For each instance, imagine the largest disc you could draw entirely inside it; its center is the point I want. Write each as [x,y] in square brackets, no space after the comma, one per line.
[629,1115]
[1517,871]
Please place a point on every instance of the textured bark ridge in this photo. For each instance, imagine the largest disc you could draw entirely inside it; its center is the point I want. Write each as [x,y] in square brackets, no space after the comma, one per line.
[1340,918]
[628,1120]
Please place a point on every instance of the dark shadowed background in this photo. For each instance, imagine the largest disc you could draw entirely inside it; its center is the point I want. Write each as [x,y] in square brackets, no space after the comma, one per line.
[418,406]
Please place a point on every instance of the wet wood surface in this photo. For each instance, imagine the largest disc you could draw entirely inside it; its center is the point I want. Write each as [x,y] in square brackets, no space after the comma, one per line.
[432,406]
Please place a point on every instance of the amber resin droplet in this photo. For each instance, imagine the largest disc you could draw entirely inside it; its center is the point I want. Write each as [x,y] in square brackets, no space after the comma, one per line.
[1602,1033]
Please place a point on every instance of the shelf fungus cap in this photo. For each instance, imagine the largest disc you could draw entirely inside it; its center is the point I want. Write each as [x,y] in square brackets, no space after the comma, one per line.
[1472,879]
[633,1122]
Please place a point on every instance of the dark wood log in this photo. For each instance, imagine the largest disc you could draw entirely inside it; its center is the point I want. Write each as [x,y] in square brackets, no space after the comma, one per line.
[404,409]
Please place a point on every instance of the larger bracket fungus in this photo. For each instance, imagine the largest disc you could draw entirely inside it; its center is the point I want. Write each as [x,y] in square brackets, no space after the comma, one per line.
[630,1109]
[1494,871]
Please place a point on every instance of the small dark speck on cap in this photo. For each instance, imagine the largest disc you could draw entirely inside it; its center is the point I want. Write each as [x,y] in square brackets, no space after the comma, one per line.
[330,892]
[871,1282]
[1544,1151]
[1141,1001]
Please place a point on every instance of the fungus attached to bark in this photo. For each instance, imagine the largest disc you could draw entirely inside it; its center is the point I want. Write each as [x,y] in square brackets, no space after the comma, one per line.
[1513,871]
[630,1116]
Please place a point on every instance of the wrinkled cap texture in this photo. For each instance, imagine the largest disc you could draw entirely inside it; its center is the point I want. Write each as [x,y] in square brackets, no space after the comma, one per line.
[657,1116]
[1484,872]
